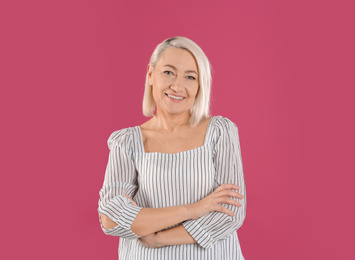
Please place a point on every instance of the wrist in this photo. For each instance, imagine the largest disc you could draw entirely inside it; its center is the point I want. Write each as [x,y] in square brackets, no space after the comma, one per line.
[188,211]
[191,211]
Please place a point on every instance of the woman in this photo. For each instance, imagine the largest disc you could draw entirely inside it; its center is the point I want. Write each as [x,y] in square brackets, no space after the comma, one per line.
[170,184]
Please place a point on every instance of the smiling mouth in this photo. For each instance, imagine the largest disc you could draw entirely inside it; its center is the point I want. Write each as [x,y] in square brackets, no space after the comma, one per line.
[174,97]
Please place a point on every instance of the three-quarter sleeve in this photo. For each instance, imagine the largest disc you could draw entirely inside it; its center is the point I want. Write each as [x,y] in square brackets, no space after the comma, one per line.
[120,179]
[213,226]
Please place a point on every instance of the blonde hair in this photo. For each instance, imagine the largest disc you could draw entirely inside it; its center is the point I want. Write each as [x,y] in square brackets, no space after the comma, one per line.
[201,106]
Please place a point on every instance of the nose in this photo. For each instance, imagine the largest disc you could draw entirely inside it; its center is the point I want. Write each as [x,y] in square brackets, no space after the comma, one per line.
[177,85]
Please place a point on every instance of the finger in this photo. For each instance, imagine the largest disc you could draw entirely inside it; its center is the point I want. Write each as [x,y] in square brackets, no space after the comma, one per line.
[230,201]
[128,197]
[228,193]
[144,243]
[227,186]
[226,211]
[231,193]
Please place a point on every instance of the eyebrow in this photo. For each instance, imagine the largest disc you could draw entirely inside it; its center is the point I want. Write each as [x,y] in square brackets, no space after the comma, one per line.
[188,71]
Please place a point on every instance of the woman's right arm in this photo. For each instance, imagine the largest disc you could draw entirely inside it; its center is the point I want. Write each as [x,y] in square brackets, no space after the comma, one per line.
[116,211]
[118,214]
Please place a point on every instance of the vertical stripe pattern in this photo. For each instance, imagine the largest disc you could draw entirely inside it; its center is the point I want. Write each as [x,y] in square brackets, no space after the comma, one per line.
[158,180]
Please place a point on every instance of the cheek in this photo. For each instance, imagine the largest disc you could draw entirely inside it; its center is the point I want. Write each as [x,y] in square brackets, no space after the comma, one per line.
[194,91]
[162,82]
[155,93]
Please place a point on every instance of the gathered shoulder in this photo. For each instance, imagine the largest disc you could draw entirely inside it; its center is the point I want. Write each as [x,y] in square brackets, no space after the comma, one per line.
[121,138]
[225,124]
[226,135]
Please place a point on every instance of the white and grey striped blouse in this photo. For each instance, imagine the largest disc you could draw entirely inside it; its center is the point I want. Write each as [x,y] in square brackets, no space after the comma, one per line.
[158,180]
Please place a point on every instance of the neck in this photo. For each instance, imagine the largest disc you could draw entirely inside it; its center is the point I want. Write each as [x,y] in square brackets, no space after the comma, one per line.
[171,122]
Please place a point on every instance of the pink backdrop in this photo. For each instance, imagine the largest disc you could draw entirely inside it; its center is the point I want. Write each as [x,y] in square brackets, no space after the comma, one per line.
[73,71]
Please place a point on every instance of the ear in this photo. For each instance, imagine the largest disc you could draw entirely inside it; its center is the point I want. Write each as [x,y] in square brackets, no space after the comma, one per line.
[149,74]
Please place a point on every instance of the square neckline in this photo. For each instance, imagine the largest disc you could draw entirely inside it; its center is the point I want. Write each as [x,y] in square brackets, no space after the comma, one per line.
[190,150]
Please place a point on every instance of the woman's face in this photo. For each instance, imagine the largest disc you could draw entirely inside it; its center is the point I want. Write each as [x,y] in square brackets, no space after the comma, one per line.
[174,81]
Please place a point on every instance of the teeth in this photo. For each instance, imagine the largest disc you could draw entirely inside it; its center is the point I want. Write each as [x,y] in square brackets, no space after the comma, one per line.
[175,97]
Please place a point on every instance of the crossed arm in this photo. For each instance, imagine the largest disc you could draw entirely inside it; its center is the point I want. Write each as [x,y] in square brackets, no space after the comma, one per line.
[150,221]
[173,236]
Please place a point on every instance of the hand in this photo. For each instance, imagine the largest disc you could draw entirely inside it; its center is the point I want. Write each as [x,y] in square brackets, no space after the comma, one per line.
[212,201]
[151,241]
[133,203]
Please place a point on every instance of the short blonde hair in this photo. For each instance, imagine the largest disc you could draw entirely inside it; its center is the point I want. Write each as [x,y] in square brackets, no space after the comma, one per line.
[201,107]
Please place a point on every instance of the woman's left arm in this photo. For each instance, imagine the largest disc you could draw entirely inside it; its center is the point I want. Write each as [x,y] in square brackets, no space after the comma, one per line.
[213,226]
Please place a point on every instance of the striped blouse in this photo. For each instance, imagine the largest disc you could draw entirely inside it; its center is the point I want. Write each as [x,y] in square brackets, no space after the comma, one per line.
[158,180]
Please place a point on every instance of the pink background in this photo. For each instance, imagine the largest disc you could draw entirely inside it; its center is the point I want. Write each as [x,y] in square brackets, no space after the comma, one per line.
[72,72]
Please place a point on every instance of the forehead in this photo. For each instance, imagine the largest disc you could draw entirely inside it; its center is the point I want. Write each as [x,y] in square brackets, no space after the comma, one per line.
[179,58]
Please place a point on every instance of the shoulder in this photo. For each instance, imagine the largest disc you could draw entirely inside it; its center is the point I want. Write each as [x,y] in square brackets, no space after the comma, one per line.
[225,125]
[121,138]
[226,134]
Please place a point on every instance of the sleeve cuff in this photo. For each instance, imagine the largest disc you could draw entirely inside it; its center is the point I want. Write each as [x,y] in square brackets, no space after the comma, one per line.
[128,215]
[121,211]
[199,234]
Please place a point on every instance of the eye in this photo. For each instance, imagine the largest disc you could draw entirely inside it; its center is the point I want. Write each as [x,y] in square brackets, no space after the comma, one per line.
[191,77]
[168,72]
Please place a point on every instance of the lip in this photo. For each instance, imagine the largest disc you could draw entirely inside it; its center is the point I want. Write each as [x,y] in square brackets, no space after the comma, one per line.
[173,99]
[175,95]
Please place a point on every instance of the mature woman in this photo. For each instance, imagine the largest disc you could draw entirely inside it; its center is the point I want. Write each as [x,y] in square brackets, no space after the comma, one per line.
[170,184]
